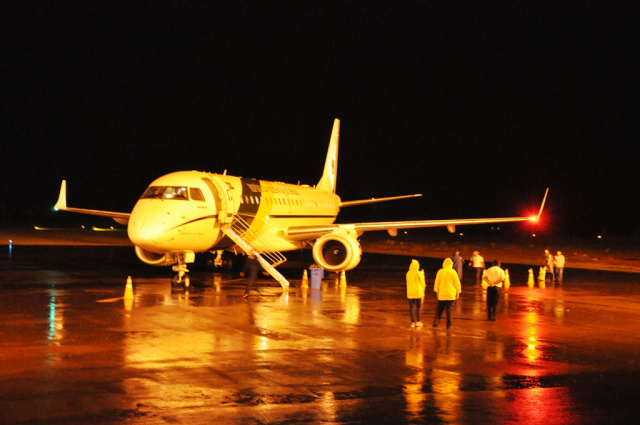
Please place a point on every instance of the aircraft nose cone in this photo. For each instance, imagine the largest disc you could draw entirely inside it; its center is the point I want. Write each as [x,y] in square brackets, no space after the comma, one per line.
[145,232]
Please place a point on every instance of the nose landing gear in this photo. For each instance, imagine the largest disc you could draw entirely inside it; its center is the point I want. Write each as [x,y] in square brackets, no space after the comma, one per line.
[182,278]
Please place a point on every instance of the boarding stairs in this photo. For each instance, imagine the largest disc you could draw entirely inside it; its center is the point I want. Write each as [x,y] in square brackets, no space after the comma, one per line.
[251,242]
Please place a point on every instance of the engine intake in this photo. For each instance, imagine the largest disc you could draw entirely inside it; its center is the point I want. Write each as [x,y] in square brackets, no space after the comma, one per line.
[156,259]
[337,252]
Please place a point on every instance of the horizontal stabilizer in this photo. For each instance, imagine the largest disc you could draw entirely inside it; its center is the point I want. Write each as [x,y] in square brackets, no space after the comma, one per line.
[374,200]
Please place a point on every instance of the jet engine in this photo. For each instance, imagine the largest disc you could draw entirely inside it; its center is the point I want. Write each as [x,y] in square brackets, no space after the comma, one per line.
[156,259]
[337,252]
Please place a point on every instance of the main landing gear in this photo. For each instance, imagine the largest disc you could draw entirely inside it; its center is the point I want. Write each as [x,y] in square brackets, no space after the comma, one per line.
[216,260]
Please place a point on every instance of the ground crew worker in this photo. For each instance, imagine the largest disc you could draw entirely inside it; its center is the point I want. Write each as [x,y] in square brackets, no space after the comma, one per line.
[415,292]
[558,266]
[448,289]
[494,278]
[477,262]
[548,263]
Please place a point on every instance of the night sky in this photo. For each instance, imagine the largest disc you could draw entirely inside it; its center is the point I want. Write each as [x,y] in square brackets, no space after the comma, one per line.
[478,105]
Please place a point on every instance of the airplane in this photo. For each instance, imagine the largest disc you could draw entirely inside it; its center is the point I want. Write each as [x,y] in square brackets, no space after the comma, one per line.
[188,212]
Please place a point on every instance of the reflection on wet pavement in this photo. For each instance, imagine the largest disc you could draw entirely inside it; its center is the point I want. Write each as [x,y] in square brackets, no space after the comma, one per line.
[73,351]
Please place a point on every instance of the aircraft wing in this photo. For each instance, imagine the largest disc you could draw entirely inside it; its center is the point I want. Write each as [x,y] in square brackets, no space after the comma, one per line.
[61,205]
[393,226]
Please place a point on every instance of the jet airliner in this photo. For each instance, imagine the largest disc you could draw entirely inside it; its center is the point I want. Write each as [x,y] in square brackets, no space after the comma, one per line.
[188,212]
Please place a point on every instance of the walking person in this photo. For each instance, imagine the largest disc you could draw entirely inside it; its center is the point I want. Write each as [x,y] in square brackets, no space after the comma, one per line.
[494,277]
[448,289]
[477,262]
[415,292]
[250,268]
[558,265]
[458,262]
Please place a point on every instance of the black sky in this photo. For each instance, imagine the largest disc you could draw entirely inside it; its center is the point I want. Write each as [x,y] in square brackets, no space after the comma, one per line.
[478,105]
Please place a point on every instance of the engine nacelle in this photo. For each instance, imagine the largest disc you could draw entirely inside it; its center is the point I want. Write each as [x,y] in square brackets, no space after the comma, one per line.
[156,259]
[337,252]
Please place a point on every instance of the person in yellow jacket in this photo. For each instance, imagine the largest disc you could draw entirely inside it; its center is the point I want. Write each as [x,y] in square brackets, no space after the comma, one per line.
[448,289]
[415,292]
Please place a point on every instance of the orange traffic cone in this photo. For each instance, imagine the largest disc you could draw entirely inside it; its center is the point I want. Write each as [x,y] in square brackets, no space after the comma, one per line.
[128,292]
[531,282]
[542,274]
[305,279]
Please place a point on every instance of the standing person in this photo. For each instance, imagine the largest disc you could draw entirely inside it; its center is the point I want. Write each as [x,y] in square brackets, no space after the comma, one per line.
[494,278]
[415,292]
[447,287]
[477,262]
[251,267]
[558,264]
[458,262]
[548,263]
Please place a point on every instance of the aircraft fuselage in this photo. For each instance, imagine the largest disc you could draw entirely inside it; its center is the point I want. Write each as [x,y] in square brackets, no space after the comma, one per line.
[184,211]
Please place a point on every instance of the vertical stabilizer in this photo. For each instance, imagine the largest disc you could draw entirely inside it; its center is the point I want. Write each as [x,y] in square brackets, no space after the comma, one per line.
[327,182]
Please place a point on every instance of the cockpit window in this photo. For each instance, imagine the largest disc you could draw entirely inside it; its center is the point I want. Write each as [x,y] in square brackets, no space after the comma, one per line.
[174,192]
[196,194]
[152,192]
[168,192]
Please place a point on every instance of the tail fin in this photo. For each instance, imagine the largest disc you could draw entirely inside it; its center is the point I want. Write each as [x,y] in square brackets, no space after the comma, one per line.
[327,182]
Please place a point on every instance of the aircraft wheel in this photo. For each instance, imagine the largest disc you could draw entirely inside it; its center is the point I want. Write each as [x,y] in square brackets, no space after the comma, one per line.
[175,282]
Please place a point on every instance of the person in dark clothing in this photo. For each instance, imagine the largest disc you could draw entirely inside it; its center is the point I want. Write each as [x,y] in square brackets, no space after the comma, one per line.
[250,268]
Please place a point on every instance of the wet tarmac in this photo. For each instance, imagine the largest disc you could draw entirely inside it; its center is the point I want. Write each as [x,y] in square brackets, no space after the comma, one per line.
[73,351]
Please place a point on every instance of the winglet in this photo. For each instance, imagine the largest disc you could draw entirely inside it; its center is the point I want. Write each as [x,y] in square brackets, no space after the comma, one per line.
[536,218]
[61,205]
